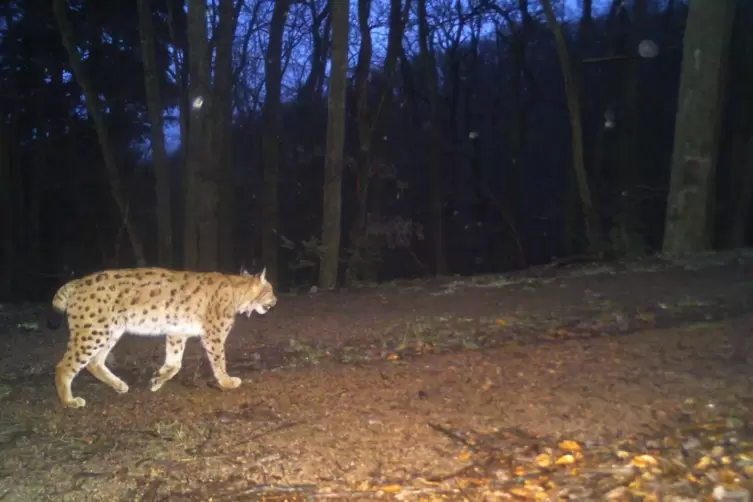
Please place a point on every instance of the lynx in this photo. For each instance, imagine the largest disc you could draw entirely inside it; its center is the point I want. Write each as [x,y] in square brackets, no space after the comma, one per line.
[101,307]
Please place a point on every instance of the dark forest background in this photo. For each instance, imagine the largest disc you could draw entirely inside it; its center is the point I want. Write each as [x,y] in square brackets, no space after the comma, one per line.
[335,143]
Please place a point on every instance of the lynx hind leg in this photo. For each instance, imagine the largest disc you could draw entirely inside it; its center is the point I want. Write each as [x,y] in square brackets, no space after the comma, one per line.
[174,347]
[98,366]
[83,344]
[213,342]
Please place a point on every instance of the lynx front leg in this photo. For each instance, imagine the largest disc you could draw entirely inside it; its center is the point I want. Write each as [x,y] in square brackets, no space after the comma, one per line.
[174,347]
[213,341]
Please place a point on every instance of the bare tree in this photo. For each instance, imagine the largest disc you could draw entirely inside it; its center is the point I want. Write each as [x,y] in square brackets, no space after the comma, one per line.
[741,94]
[571,206]
[690,204]
[32,258]
[201,233]
[429,74]
[320,31]
[333,168]
[365,134]
[516,137]
[6,214]
[592,224]
[630,240]
[368,122]
[155,109]
[92,106]
[222,123]
[270,142]
[517,35]
[7,210]
[175,23]
[397,21]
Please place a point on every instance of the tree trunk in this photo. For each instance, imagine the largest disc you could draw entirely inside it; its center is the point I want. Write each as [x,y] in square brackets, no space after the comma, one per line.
[176,21]
[333,165]
[222,148]
[201,234]
[358,233]
[630,240]
[741,191]
[383,120]
[6,214]
[180,57]
[31,251]
[517,124]
[592,224]
[690,204]
[92,106]
[429,73]
[159,154]
[740,104]
[570,201]
[33,262]
[270,141]
[614,88]
[356,262]
[312,89]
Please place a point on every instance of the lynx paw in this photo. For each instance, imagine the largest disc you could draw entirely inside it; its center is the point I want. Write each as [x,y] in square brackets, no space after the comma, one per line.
[121,388]
[76,402]
[230,383]
[156,384]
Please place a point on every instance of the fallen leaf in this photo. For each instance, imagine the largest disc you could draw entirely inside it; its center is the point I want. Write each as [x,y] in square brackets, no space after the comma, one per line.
[565,460]
[390,488]
[703,463]
[543,460]
[520,492]
[569,445]
[644,461]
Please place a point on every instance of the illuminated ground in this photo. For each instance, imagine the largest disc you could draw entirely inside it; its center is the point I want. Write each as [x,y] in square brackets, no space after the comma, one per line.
[412,390]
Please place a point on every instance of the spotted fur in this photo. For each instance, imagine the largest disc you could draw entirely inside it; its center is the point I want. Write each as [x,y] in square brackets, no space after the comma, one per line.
[101,307]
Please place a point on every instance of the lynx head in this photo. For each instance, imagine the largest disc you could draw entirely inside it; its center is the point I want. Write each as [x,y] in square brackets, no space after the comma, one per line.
[256,293]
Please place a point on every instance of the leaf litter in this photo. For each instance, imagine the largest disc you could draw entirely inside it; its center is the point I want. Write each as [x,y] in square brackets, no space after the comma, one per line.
[522,387]
[711,459]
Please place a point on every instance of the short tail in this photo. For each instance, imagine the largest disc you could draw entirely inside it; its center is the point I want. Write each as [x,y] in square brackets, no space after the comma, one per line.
[60,305]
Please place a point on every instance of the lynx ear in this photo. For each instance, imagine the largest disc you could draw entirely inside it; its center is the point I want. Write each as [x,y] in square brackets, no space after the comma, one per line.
[244,271]
[262,276]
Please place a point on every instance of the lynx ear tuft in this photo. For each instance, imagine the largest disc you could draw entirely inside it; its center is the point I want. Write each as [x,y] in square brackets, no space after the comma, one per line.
[244,271]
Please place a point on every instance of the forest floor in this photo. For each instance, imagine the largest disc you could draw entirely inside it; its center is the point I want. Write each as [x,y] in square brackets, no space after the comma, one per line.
[623,381]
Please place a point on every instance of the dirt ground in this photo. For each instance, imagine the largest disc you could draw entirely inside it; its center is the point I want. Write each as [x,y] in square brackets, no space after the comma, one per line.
[443,389]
